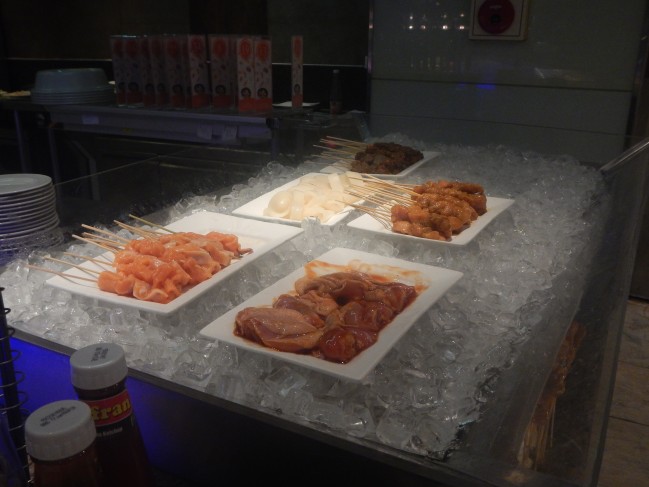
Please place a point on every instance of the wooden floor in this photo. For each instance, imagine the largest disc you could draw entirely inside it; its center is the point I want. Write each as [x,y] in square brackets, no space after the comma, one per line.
[626,455]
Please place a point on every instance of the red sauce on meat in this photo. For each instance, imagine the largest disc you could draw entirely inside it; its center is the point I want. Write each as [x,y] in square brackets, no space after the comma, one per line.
[358,307]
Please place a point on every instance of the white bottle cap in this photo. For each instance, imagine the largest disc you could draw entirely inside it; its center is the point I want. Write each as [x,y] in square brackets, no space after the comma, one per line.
[98,366]
[59,430]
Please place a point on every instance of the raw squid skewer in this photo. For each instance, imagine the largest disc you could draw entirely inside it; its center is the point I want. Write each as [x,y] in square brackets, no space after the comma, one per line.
[62,274]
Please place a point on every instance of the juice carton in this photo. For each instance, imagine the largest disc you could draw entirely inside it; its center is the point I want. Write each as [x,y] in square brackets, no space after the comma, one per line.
[245,74]
[146,70]
[263,74]
[175,70]
[198,71]
[156,51]
[297,62]
[119,69]
[222,67]
[133,70]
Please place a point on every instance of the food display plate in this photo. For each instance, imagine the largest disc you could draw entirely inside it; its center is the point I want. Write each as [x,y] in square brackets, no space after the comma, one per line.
[432,283]
[428,156]
[495,206]
[256,207]
[261,237]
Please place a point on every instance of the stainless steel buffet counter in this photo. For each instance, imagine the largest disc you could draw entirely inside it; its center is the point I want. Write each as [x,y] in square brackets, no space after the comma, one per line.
[451,402]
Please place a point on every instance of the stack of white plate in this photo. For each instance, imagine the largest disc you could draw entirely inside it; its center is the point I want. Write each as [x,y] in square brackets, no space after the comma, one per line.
[28,217]
[72,87]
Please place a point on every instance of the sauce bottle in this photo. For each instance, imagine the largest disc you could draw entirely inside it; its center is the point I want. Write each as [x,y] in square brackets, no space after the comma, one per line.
[98,374]
[60,439]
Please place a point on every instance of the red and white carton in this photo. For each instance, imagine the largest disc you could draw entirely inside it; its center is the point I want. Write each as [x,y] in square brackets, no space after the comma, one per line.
[297,64]
[245,74]
[188,84]
[263,74]
[175,70]
[198,71]
[222,69]
[156,51]
[146,70]
[133,70]
[119,69]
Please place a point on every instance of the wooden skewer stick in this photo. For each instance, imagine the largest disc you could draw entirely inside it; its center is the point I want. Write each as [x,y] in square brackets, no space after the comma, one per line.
[62,274]
[105,232]
[110,249]
[84,269]
[379,216]
[151,223]
[90,259]
[138,231]
[331,149]
[106,241]
[363,144]
[351,145]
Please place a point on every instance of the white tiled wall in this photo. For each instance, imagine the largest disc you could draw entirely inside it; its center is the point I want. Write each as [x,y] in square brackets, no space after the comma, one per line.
[567,88]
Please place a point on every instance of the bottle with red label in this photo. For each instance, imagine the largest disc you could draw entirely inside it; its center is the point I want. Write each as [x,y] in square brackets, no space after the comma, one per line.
[98,375]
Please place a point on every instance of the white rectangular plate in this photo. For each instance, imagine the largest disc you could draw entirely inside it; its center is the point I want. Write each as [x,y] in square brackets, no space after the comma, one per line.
[256,207]
[432,282]
[495,206]
[428,155]
[261,237]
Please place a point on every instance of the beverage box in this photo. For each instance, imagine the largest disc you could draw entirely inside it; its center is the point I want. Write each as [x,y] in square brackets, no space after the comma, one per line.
[156,51]
[297,75]
[133,70]
[175,70]
[263,74]
[198,71]
[245,74]
[146,70]
[222,70]
[119,68]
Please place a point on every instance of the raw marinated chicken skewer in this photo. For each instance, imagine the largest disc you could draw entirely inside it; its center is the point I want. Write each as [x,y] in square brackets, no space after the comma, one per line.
[433,210]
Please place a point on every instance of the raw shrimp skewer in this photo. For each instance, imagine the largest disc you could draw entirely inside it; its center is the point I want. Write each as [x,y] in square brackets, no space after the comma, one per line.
[84,269]
[62,274]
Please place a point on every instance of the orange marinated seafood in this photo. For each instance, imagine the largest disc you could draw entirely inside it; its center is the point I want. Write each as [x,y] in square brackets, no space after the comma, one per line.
[161,268]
